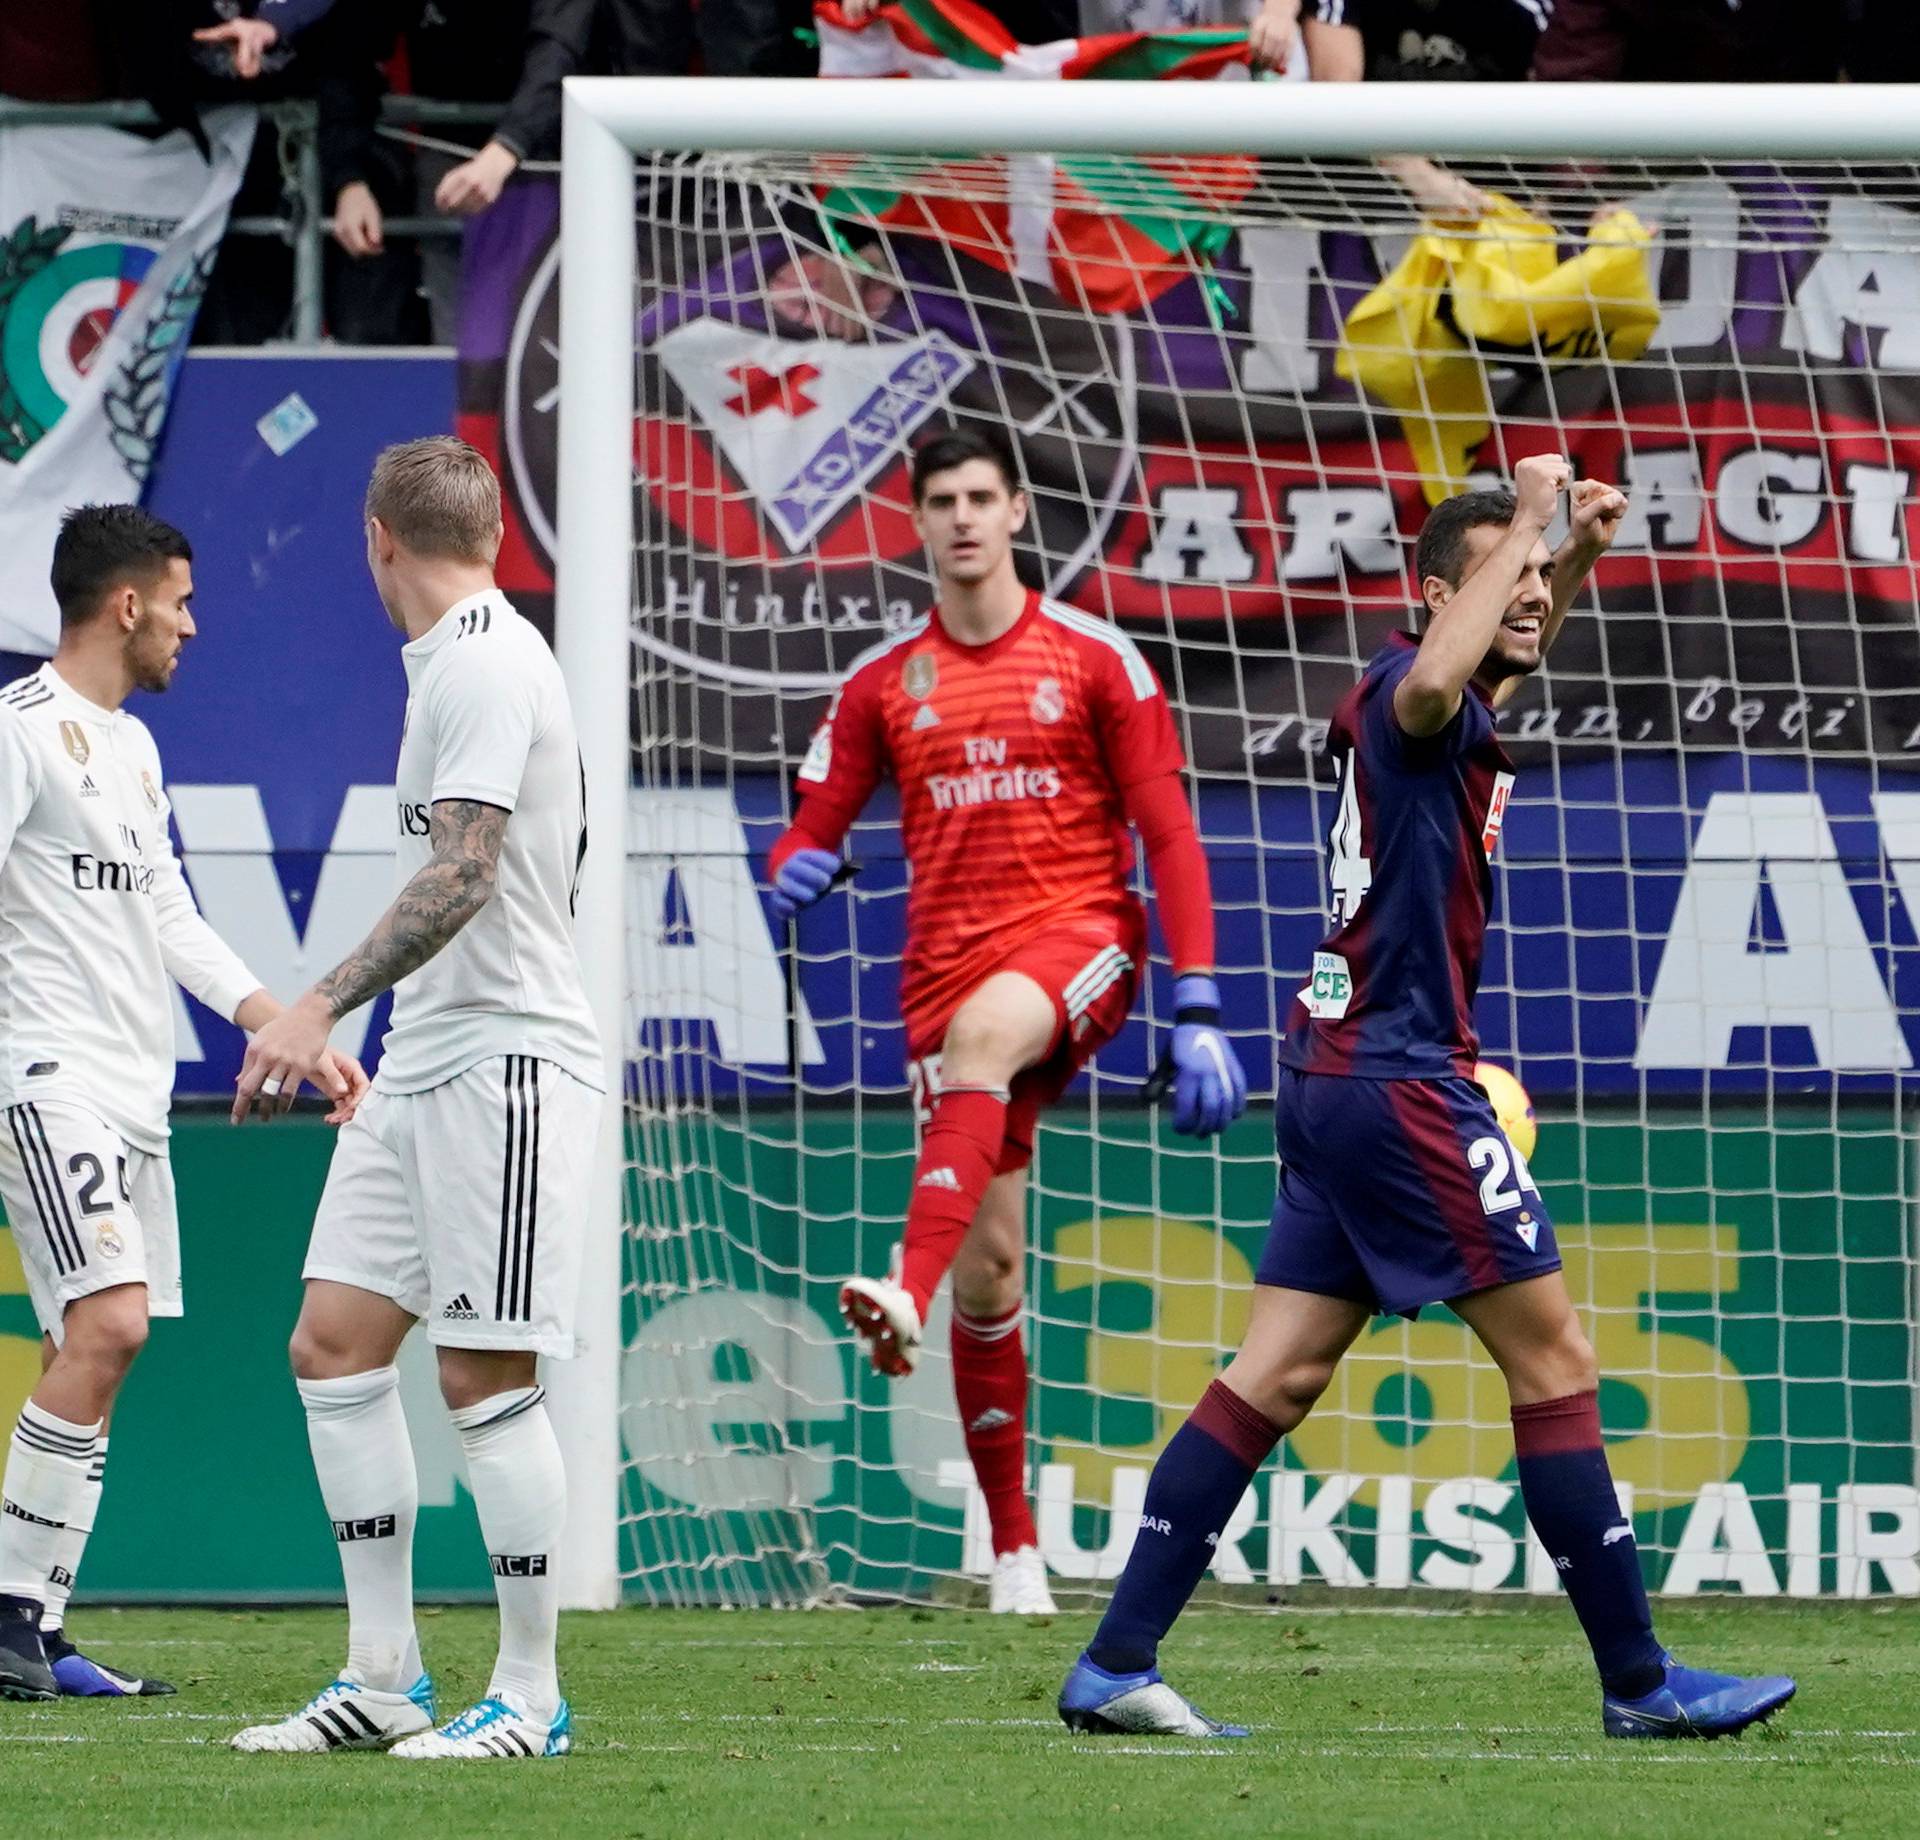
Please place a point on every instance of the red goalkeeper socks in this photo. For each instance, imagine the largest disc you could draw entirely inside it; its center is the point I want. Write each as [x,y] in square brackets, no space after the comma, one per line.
[957,1155]
[990,1388]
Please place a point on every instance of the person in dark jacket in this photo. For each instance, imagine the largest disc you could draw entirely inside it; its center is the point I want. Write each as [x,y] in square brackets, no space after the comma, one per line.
[632,38]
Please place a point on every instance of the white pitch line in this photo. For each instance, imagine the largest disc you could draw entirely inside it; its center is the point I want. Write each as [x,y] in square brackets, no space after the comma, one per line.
[59,1737]
[111,1642]
[1226,1748]
[204,1718]
[1691,1755]
[882,1720]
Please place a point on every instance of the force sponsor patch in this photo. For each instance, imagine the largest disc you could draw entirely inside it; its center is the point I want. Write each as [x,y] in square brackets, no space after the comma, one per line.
[1329,991]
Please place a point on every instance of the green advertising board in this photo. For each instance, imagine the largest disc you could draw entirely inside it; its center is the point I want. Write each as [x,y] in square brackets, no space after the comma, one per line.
[1745,1277]
[1747,1280]
[210,1492]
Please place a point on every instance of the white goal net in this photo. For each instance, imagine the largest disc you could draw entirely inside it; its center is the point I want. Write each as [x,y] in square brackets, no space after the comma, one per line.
[1235,386]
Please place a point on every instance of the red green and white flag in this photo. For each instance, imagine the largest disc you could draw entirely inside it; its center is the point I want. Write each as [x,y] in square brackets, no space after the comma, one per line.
[1108,232]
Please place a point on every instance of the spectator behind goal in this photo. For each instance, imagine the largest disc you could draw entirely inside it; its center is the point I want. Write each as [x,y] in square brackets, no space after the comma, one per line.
[1688,41]
[473,55]
[629,38]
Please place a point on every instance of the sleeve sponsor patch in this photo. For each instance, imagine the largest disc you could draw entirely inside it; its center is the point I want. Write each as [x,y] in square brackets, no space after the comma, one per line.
[818,765]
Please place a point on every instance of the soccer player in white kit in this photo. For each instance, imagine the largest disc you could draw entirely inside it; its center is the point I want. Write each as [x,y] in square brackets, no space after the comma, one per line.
[96,925]
[458,1194]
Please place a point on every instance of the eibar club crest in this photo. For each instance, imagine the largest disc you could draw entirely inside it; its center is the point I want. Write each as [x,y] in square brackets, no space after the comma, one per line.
[76,739]
[919,675]
[807,423]
[1049,701]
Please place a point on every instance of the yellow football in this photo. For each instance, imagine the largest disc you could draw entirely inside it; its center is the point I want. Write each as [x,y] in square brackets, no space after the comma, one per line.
[1510,1105]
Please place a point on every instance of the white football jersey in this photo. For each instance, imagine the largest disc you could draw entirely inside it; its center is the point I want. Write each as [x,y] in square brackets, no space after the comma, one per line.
[488,719]
[95,915]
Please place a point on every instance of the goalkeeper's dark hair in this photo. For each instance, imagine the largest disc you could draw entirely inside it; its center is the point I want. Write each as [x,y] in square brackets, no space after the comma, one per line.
[1442,548]
[101,547]
[955,447]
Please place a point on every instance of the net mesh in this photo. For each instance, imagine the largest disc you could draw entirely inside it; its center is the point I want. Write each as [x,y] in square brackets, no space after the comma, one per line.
[1235,387]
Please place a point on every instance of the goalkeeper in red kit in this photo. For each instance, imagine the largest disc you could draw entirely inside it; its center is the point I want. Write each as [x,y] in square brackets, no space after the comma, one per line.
[1025,738]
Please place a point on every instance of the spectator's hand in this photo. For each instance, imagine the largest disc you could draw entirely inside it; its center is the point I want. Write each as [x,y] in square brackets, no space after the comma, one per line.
[358,226]
[1273,34]
[825,296]
[250,39]
[475,185]
[1439,194]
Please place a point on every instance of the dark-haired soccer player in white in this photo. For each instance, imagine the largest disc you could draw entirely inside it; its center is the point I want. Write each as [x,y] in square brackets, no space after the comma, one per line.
[96,926]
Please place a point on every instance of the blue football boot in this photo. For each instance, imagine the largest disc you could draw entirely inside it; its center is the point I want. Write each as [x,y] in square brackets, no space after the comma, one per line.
[1094,1700]
[1691,1703]
[81,1677]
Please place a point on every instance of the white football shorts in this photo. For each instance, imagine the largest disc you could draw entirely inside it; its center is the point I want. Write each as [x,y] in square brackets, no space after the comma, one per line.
[467,1204]
[88,1210]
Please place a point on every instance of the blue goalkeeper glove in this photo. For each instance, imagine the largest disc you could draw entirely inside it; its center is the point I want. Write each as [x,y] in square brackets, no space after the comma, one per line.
[802,879]
[1199,1065]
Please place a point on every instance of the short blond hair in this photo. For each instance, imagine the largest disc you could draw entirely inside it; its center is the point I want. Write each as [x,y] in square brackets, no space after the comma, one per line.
[438,497]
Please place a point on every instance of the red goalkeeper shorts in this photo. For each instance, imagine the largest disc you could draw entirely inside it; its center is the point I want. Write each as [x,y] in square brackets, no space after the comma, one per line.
[1090,969]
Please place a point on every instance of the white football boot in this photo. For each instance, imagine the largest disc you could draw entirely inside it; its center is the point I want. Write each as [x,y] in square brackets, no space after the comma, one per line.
[1019,1585]
[492,1729]
[345,1717]
[882,1313]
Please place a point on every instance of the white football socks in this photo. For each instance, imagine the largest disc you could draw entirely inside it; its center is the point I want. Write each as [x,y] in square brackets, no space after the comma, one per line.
[520,1488]
[48,1463]
[364,1459]
[69,1547]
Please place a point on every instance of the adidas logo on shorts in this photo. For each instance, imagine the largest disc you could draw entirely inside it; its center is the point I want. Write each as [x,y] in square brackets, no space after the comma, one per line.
[943,1177]
[460,1310]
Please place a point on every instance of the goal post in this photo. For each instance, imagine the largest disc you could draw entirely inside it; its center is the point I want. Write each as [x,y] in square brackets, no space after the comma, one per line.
[1705,965]
[594,595]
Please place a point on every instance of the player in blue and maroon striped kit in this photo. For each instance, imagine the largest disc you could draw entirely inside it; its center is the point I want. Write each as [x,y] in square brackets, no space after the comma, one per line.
[1398,1187]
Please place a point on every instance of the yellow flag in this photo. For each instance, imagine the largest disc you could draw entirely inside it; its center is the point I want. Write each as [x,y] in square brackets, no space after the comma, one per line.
[1460,301]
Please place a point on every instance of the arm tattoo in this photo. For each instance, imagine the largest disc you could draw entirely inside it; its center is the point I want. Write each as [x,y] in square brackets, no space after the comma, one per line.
[448,890]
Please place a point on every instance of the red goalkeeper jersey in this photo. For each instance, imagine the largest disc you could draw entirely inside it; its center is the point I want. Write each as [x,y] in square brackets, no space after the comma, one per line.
[1012,759]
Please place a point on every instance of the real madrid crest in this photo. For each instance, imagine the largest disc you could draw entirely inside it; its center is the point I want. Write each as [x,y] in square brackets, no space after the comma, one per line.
[1049,700]
[150,789]
[918,675]
[76,739]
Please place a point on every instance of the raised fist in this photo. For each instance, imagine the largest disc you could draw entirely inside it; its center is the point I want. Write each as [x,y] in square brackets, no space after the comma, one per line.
[1597,509]
[1538,481]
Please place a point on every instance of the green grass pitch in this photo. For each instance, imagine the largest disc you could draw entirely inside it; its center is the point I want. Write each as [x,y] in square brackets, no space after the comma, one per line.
[1369,1721]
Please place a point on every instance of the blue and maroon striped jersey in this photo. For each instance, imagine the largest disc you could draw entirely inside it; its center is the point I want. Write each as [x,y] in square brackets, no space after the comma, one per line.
[1410,882]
